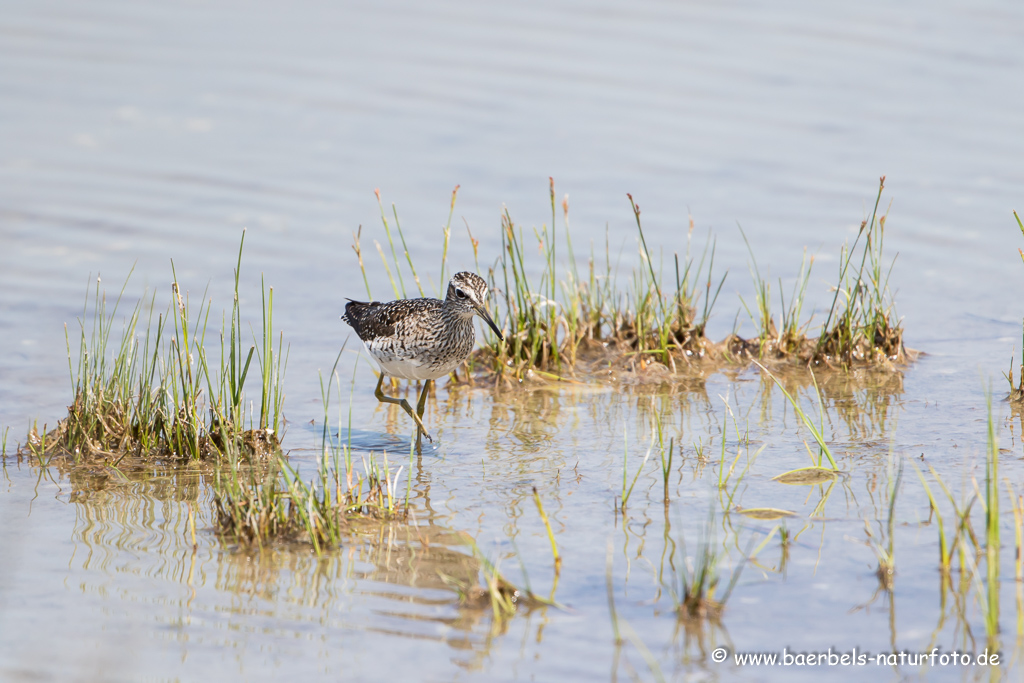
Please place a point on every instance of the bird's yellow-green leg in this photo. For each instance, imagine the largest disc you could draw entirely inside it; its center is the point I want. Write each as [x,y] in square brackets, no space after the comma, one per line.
[379,393]
[421,405]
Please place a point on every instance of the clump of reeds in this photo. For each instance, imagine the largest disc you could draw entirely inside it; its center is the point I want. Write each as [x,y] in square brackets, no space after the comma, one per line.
[552,323]
[258,504]
[495,591]
[862,326]
[155,393]
[788,340]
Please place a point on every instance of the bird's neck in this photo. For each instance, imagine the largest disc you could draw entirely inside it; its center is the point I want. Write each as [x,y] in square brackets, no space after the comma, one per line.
[452,310]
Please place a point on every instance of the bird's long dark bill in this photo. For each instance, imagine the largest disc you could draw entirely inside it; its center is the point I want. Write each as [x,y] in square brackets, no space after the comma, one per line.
[482,312]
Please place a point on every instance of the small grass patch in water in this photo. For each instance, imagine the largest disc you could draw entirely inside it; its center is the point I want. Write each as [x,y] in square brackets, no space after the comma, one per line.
[695,589]
[257,507]
[627,490]
[553,324]
[155,393]
[862,327]
[551,328]
[790,339]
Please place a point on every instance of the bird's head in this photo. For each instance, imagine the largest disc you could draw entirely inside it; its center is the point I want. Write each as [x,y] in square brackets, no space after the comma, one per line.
[467,293]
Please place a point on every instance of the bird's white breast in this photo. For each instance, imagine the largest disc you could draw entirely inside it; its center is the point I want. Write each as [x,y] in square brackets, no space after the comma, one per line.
[408,367]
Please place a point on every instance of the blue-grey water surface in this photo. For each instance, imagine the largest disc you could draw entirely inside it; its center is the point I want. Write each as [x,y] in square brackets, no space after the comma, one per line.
[132,134]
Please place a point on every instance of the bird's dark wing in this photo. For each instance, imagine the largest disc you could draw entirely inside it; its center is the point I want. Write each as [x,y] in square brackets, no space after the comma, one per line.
[370,320]
[375,320]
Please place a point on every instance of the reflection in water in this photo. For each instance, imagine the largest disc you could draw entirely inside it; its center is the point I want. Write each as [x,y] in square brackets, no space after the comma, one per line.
[389,578]
[868,403]
[865,402]
[140,508]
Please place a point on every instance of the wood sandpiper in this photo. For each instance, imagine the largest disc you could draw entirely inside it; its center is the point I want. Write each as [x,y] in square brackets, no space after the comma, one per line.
[421,339]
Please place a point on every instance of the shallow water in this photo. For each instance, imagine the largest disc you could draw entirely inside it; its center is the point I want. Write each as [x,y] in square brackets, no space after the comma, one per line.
[135,134]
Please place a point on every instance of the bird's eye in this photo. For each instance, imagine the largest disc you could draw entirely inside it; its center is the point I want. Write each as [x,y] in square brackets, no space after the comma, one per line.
[459,293]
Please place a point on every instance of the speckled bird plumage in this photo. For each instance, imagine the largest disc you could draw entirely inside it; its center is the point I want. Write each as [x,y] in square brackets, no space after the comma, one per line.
[422,339]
